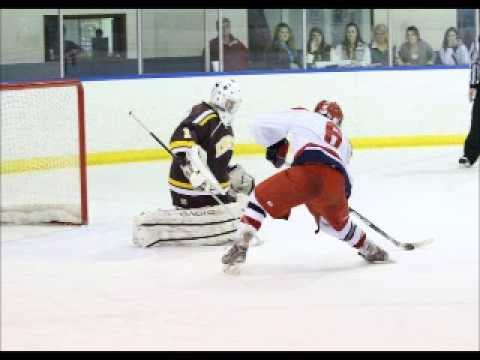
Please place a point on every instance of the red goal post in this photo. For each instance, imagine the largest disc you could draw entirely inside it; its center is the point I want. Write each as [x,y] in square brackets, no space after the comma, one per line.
[43,165]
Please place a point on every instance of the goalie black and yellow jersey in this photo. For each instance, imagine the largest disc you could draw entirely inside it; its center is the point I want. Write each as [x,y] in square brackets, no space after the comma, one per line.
[203,127]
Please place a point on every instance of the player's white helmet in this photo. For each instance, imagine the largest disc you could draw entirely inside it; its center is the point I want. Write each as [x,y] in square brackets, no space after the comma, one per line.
[226,98]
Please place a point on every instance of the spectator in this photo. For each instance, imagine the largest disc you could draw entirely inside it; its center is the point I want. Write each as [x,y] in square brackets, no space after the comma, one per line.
[259,37]
[353,48]
[235,53]
[415,51]
[317,47]
[453,51]
[282,54]
[70,50]
[379,45]
[99,44]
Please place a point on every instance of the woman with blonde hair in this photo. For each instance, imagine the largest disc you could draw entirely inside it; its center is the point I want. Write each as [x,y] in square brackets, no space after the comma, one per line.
[379,45]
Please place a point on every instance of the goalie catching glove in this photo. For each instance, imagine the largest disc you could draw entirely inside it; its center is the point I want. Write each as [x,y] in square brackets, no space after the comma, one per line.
[240,180]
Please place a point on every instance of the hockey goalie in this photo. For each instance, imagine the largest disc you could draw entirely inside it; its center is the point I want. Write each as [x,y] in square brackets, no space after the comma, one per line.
[208,191]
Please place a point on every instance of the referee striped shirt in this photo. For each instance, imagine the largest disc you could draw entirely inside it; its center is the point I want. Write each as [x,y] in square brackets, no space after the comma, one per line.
[475,67]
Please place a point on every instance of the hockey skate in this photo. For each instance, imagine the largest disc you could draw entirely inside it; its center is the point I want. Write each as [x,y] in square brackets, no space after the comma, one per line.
[464,162]
[237,254]
[373,253]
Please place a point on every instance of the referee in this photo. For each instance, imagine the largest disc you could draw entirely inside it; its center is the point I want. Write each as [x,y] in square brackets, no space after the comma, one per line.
[471,148]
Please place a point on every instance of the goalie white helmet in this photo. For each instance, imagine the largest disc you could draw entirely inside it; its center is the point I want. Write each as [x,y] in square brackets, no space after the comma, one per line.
[225,97]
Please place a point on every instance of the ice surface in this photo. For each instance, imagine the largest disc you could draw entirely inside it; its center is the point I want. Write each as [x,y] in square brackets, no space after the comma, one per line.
[90,288]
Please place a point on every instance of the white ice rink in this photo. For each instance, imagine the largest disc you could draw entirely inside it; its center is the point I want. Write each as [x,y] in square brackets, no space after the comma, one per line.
[90,288]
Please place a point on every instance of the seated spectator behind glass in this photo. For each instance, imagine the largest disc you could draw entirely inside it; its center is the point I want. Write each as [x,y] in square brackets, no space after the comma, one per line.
[353,49]
[99,44]
[282,53]
[415,51]
[379,45]
[317,47]
[453,51]
[235,53]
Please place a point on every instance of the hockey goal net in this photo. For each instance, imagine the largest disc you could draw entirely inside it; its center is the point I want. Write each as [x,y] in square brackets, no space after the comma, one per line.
[43,159]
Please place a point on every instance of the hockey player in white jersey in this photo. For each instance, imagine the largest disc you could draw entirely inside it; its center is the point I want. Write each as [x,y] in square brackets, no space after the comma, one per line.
[318,178]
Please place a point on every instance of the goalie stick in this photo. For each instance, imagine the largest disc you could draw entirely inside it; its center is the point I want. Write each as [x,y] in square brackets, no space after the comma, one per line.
[209,178]
[196,161]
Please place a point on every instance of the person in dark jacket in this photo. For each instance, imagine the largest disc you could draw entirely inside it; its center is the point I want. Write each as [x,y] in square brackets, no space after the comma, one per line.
[317,48]
[471,148]
[282,54]
[235,53]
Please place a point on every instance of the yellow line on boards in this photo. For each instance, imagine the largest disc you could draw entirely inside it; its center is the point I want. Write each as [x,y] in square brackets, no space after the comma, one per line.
[116,157]
[407,141]
[39,163]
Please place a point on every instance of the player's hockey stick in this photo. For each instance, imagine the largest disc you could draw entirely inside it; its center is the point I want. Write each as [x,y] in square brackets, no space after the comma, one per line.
[405,246]
[155,137]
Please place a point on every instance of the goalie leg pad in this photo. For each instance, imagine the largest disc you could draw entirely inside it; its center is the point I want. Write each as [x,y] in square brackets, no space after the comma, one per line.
[212,225]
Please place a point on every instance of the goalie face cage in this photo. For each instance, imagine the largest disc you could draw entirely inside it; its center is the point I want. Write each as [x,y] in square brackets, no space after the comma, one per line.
[43,165]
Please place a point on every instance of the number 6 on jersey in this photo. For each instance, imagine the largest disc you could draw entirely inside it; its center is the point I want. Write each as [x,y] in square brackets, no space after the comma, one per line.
[333,135]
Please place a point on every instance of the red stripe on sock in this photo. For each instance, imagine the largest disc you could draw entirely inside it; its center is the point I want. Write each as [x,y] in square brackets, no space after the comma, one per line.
[360,242]
[248,220]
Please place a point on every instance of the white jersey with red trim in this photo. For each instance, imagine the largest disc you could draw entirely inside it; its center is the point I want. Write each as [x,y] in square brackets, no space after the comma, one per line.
[312,136]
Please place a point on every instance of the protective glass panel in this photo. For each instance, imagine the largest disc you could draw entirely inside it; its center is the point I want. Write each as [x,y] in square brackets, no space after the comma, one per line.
[173,40]
[284,49]
[338,37]
[99,42]
[23,33]
[418,37]
[235,40]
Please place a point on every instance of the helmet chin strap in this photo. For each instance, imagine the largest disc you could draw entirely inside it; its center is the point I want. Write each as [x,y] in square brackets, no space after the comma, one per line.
[226,118]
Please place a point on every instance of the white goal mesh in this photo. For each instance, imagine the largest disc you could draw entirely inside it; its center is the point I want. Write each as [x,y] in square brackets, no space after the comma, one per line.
[43,170]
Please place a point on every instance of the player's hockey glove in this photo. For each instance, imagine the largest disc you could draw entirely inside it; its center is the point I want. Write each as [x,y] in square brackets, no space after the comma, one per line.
[240,181]
[277,153]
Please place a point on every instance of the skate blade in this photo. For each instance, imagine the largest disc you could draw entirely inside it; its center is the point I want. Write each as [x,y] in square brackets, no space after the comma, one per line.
[233,269]
[380,262]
